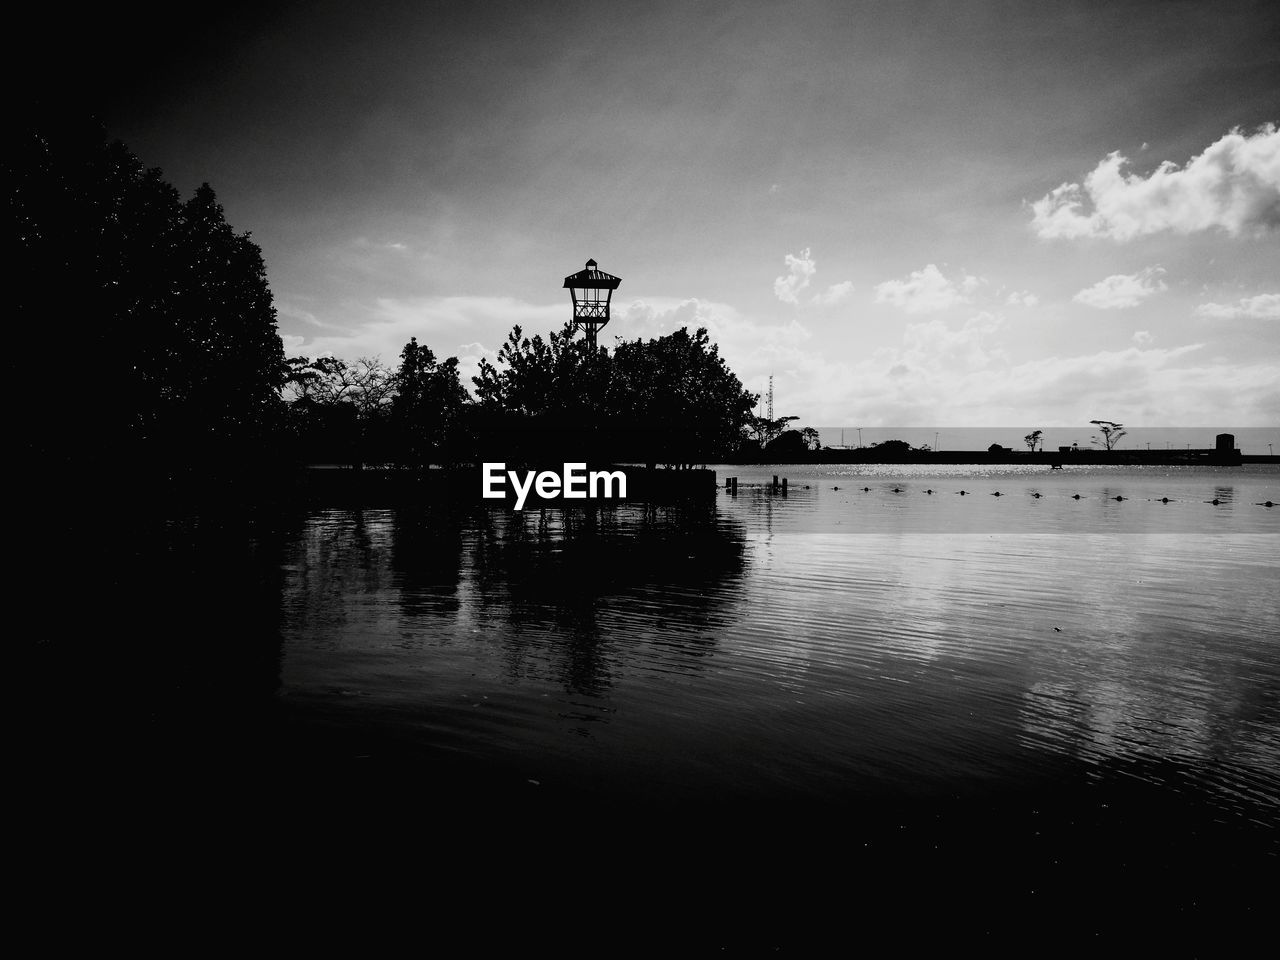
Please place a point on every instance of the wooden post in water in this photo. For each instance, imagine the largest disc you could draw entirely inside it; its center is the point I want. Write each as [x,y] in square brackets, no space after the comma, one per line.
[775,483]
[784,486]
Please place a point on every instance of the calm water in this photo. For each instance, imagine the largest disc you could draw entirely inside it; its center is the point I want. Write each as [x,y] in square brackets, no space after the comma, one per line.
[762,721]
[832,645]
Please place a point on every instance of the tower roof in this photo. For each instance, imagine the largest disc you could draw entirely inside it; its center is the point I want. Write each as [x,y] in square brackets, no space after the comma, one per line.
[592,276]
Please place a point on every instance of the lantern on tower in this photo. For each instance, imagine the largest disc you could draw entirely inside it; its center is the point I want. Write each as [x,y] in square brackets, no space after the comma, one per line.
[591,290]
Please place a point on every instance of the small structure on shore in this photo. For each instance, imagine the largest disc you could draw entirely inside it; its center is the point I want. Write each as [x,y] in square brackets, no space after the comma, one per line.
[591,290]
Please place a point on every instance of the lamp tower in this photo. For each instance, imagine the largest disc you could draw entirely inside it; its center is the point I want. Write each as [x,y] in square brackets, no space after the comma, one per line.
[591,290]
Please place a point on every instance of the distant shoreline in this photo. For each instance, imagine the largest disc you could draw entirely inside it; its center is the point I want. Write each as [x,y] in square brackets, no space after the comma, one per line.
[1092,458]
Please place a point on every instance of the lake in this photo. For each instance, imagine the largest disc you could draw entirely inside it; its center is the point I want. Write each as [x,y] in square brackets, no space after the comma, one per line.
[834,641]
[1070,692]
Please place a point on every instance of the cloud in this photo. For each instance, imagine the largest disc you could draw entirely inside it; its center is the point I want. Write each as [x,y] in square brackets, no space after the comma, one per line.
[450,326]
[1023,299]
[751,348]
[1265,306]
[958,374]
[927,291]
[1143,338]
[1121,291]
[1233,186]
[292,311]
[364,243]
[799,271]
[934,345]
[938,370]
[834,293]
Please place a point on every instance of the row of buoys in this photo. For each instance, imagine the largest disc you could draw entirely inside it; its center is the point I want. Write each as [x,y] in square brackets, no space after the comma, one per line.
[731,485]
[1075,496]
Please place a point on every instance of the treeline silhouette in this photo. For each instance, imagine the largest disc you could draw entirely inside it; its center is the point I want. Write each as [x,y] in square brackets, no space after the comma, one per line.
[668,401]
[147,331]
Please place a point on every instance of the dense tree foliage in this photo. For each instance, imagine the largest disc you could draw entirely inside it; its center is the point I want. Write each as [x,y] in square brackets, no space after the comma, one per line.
[543,400]
[366,413]
[157,311]
[428,409]
[670,400]
[339,412]
[676,400]
[892,447]
[788,445]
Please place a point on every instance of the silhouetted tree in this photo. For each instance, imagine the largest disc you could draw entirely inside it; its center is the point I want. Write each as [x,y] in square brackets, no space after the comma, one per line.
[540,377]
[339,411]
[1032,438]
[788,445]
[676,400]
[670,400]
[543,399]
[892,447]
[172,360]
[763,430]
[812,439]
[428,407]
[1110,433]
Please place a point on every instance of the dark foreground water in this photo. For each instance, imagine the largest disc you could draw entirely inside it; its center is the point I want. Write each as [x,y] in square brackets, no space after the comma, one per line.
[751,721]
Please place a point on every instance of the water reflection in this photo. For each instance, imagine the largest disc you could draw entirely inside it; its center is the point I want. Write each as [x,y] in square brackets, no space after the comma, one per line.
[697,654]
[561,596]
[1170,668]
[743,657]
[426,556]
[748,649]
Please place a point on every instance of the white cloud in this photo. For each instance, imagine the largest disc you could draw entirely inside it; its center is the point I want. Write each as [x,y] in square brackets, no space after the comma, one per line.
[752,349]
[1134,385]
[799,271]
[1024,299]
[1121,291]
[291,311]
[1265,306]
[1143,338]
[937,371]
[927,290]
[364,243]
[1233,186]
[450,326]
[934,345]
[834,293]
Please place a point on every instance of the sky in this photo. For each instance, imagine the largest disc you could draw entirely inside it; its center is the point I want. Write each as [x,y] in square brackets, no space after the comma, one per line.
[907,213]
